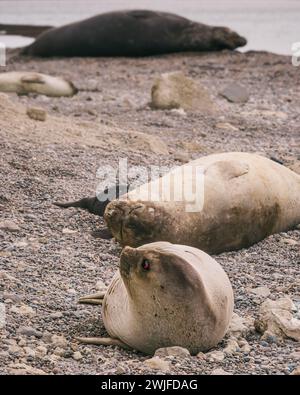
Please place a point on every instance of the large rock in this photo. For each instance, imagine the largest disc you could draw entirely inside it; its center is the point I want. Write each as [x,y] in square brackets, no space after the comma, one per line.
[175,90]
[235,93]
[276,319]
[239,326]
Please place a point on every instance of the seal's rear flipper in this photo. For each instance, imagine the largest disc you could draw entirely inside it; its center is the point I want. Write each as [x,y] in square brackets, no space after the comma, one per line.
[96,205]
[92,205]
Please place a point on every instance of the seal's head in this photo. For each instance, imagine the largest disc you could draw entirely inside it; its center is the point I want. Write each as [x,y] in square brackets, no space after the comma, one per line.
[156,265]
[159,274]
[168,295]
[225,38]
[133,223]
[171,291]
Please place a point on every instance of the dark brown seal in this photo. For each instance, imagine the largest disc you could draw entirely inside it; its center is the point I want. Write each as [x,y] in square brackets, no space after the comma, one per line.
[133,33]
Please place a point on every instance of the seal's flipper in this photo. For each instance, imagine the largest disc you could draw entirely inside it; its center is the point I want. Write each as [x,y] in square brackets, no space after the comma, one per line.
[97,205]
[96,298]
[103,341]
[92,205]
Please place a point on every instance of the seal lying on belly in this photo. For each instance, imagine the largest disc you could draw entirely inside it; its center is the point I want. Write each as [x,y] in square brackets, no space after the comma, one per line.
[166,295]
[22,83]
[241,199]
[132,33]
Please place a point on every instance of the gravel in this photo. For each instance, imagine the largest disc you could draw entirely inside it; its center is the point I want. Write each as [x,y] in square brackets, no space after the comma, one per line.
[50,256]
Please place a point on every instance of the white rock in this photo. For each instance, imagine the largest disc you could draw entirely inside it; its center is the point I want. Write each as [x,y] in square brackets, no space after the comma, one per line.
[239,326]
[77,355]
[261,291]
[158,364]
[59,341]
[38,114]
[59,351]
[100,286]
[244,346]
[235,93]
[276,319]
[174,91]
[215,356]
[232,347]
[179,111]
[175,351]
[67,231]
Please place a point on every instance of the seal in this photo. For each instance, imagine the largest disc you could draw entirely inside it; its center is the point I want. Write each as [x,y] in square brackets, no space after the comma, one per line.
[132,33]
[166,295]
[240,199]
[22,83]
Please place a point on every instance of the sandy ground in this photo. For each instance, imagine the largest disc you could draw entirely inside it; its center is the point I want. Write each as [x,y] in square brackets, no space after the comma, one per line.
[45,266]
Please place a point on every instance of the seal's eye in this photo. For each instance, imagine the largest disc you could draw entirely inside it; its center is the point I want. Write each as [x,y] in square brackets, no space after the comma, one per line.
[145,264]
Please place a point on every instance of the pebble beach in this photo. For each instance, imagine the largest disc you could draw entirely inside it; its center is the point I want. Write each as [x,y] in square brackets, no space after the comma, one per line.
[50,257]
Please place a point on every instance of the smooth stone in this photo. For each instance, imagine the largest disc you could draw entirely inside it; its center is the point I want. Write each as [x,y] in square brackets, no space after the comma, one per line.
[37,114]
[235,93]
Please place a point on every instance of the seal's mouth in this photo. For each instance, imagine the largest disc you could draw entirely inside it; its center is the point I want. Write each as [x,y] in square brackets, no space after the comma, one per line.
[128,261]
[119,219]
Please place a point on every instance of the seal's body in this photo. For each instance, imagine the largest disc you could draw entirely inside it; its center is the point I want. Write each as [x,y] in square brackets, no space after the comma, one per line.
[246,197]
[167,295]
[22,82]
[132,33]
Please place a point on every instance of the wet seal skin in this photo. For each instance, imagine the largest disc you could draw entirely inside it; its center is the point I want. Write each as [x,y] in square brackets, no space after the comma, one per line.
[246,198]
[165,295]
[133,33]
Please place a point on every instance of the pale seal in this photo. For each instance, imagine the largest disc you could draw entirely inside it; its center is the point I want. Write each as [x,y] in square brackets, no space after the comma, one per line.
[246,197]
[166,295]
[132,33]
[23,83]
